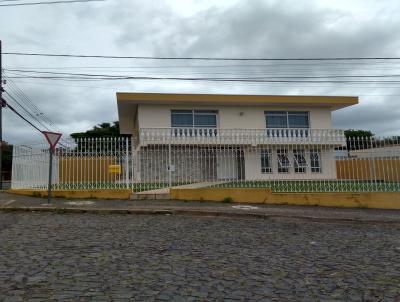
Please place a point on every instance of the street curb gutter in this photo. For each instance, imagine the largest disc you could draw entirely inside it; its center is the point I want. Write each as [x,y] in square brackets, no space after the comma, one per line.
[198,213]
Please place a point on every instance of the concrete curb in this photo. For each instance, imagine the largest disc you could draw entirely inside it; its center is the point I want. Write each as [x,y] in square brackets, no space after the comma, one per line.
[198,213]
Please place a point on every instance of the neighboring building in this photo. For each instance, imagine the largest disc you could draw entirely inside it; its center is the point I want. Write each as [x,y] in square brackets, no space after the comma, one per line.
[203,137]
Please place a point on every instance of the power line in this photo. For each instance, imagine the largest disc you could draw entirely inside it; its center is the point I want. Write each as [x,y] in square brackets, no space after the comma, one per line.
[33,117]
[29,113]
[207,79]
[39,116]
[274,85]
[20,115]
[289,65]
[49,2]
[264,77]
[198,58]
[28,102]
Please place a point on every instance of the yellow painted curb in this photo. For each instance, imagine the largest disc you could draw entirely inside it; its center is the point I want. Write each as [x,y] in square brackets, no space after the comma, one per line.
[79,194]
[373,200]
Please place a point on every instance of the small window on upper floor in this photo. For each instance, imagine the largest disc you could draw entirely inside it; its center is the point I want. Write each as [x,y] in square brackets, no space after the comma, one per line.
[194,118]
[287,119]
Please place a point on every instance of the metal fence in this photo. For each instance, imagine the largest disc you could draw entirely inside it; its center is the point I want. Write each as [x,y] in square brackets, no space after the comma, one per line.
[93,163]
[329,163]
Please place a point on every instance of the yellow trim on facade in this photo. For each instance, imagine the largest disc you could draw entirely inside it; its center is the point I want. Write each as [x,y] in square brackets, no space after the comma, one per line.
[373,200]
[231,99]
[79,194]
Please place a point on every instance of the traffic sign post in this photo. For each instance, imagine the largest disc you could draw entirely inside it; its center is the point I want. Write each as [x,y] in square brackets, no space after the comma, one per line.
[52,138]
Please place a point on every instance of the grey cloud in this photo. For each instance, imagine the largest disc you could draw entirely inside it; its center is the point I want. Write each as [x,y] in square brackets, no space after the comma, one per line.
[262,29]
[251,28]
[383,117]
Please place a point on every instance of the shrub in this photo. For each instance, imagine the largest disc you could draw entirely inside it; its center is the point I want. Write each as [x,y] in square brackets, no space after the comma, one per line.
[227,199]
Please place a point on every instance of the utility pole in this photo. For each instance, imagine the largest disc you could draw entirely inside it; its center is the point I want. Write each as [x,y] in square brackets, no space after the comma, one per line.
[1,121]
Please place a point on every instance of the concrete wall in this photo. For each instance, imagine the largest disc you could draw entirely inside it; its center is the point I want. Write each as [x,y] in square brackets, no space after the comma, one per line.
[369,169]
[376,200]
[230,117]
[88,169]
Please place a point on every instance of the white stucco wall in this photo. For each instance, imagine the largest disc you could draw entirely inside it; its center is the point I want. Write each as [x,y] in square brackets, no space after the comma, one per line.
[229,117]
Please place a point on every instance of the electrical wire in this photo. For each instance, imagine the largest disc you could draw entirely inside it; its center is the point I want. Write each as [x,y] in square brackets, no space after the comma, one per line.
[198,58]
[20,115]
[27,101]
[48,2]
[264,77]
[27,112]
[207,79]
[38,116]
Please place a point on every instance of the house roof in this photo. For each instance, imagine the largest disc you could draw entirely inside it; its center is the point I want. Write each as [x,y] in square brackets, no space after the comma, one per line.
[128,101]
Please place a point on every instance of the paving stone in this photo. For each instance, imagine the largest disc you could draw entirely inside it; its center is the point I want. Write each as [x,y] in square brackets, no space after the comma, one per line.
[80,257]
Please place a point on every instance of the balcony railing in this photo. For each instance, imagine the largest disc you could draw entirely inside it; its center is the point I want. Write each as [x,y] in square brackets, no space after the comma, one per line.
[240,136]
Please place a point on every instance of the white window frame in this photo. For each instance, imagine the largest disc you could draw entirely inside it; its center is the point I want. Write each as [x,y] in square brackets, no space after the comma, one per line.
[286,113]
[297,165]
[319,167]
[280,163]
[193,112]
[266,170]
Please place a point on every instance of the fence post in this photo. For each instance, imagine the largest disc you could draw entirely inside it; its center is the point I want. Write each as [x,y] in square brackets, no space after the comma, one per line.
[169,164]
[126,162]
[50,175]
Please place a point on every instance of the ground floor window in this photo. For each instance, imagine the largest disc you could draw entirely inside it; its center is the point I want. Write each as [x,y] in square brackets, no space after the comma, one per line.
[300,163]
[300,160]
[283,161]
[315,161]
[266,164]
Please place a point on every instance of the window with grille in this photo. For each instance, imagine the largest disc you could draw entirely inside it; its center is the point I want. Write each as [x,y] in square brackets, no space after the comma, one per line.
[300,163]
[283,161]
[266,165]
[315,161]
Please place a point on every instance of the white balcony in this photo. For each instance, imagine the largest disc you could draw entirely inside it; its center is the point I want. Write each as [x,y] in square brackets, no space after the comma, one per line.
[216,136]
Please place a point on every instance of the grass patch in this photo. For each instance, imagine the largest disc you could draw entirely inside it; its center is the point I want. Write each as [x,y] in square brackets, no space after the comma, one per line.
[274,185]
[315,186]
[136,187]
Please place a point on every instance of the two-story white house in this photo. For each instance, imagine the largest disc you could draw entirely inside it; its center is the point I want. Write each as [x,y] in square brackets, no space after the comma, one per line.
[210,137]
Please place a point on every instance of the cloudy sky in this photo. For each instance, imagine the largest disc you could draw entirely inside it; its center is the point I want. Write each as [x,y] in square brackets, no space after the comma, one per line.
[198,28]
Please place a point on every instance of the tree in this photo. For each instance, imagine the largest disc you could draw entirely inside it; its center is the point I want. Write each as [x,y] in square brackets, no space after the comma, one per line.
[101,130]
[354,133]
[7,161]
[358,139]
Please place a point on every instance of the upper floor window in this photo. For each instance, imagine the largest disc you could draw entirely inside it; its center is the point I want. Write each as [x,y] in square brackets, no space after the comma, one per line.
[287,119]
[194,118]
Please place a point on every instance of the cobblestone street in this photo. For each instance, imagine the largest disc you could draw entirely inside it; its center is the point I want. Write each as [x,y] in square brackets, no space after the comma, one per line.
[84,257]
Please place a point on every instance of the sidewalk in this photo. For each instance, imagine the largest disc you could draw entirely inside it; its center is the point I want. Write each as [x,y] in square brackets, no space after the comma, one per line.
[11,202]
